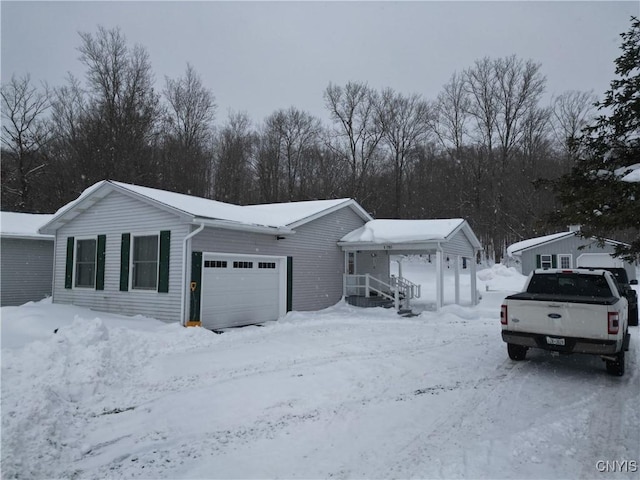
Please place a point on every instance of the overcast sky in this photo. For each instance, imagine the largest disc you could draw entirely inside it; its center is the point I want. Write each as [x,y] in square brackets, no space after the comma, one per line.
[261,56]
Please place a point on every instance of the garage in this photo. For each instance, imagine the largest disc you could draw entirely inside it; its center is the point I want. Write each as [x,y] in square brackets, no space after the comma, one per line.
[242,290]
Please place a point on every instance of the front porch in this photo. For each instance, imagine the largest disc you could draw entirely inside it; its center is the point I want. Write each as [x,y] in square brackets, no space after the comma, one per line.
[368,255]
[369,291]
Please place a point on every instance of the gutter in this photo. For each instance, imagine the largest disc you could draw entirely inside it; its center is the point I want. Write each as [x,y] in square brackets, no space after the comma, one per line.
[183,297]
[244,227]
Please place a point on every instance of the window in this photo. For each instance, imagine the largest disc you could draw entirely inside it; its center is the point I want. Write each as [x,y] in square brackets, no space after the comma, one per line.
[565,261]
[351,263]
[242,264]
[266,265]
[215,264]
[545,261]
[145,262]
[86,263]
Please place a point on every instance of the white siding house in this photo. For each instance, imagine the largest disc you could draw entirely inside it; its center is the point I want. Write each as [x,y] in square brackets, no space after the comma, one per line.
[141,251]
[26,266]
[136,250]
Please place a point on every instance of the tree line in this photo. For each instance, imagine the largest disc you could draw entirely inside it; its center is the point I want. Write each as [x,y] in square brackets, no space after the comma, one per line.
[477,151]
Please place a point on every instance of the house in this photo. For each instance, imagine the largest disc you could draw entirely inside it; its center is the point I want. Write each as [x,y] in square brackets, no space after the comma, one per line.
[137,250]
[26,258]
[562,250]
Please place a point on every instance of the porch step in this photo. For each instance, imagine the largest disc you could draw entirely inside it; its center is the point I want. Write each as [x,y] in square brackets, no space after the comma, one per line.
[369,302]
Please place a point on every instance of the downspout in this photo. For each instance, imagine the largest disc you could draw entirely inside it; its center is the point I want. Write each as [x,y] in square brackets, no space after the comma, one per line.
[439,276]
[53,279]
[183,297]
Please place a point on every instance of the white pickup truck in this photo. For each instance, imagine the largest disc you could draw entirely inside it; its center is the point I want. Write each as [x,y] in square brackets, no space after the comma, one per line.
[568,311]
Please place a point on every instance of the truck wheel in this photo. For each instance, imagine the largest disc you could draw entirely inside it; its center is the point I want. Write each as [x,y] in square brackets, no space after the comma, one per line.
[516,352]
[616,367]
[633,317]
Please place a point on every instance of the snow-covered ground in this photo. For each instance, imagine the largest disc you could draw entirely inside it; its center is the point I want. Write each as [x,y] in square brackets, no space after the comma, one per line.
[340,393]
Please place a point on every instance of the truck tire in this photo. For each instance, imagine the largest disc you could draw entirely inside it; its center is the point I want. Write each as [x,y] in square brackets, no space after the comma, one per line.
[633,317]
[516,352]
[616,367]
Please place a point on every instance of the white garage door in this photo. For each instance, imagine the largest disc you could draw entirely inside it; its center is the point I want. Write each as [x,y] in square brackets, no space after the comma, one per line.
[242,290]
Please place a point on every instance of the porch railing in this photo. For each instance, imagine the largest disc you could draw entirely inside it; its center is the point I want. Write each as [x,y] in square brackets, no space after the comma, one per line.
[397,289]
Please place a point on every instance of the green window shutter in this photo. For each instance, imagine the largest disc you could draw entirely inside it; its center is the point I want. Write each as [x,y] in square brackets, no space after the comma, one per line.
[538,262]
[163,267]
[289,284]
[68,273]
[100,261]
[124,261]
[554,263]
[194,288]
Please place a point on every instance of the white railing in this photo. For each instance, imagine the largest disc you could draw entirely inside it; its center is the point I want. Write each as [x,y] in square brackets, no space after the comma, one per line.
[397,289]
[409,289]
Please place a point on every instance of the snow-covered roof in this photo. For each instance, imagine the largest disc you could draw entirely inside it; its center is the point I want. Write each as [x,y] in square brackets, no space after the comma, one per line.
[408,231]
[516,248]
[276,216]
[23,225]
[519,247]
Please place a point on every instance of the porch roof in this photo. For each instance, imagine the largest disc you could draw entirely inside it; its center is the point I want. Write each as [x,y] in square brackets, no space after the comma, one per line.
[410,235]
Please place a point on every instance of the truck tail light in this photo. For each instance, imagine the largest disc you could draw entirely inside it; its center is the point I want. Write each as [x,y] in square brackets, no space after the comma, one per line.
[503,314]
[614,323]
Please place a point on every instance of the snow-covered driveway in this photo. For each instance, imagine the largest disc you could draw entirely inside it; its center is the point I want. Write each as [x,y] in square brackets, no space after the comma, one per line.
[342,393]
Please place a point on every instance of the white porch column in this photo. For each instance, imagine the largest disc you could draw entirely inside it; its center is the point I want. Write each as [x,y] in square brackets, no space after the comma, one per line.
[439,280]
[457,277]
[474,290]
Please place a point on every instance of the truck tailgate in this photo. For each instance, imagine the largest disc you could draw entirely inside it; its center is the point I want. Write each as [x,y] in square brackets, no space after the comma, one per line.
[565,319]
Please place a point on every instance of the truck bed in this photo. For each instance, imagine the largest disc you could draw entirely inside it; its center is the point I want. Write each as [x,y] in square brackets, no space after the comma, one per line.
[555,297]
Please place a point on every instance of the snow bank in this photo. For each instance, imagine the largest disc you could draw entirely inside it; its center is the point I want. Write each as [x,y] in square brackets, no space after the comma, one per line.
[344,392]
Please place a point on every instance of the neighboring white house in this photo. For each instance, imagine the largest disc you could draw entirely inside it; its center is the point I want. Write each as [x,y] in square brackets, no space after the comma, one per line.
[136,250]
[26,258]
[561,250]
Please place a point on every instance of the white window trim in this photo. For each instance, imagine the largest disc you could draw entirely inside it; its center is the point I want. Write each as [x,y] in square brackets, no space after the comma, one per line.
[75,262]
[355,262]
[131,252]
[565,255]
[542,261]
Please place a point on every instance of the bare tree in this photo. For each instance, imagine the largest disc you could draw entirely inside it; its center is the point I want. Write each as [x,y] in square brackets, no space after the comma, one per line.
[480,88]
[502,93]
[188,134]
[292,134]
[122,108]
[451,115]
[357,133]
[572,111]
[234,156]
[519,86]
[68,143]
[24,135]
[405,123]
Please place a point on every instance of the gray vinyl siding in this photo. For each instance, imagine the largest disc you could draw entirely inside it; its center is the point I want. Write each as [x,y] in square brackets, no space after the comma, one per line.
[567,245]
[459,245]
[112,216]
[318,262]
[26,270]
[377,266]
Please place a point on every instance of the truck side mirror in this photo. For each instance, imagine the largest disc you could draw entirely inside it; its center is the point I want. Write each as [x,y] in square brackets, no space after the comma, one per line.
[633,282]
